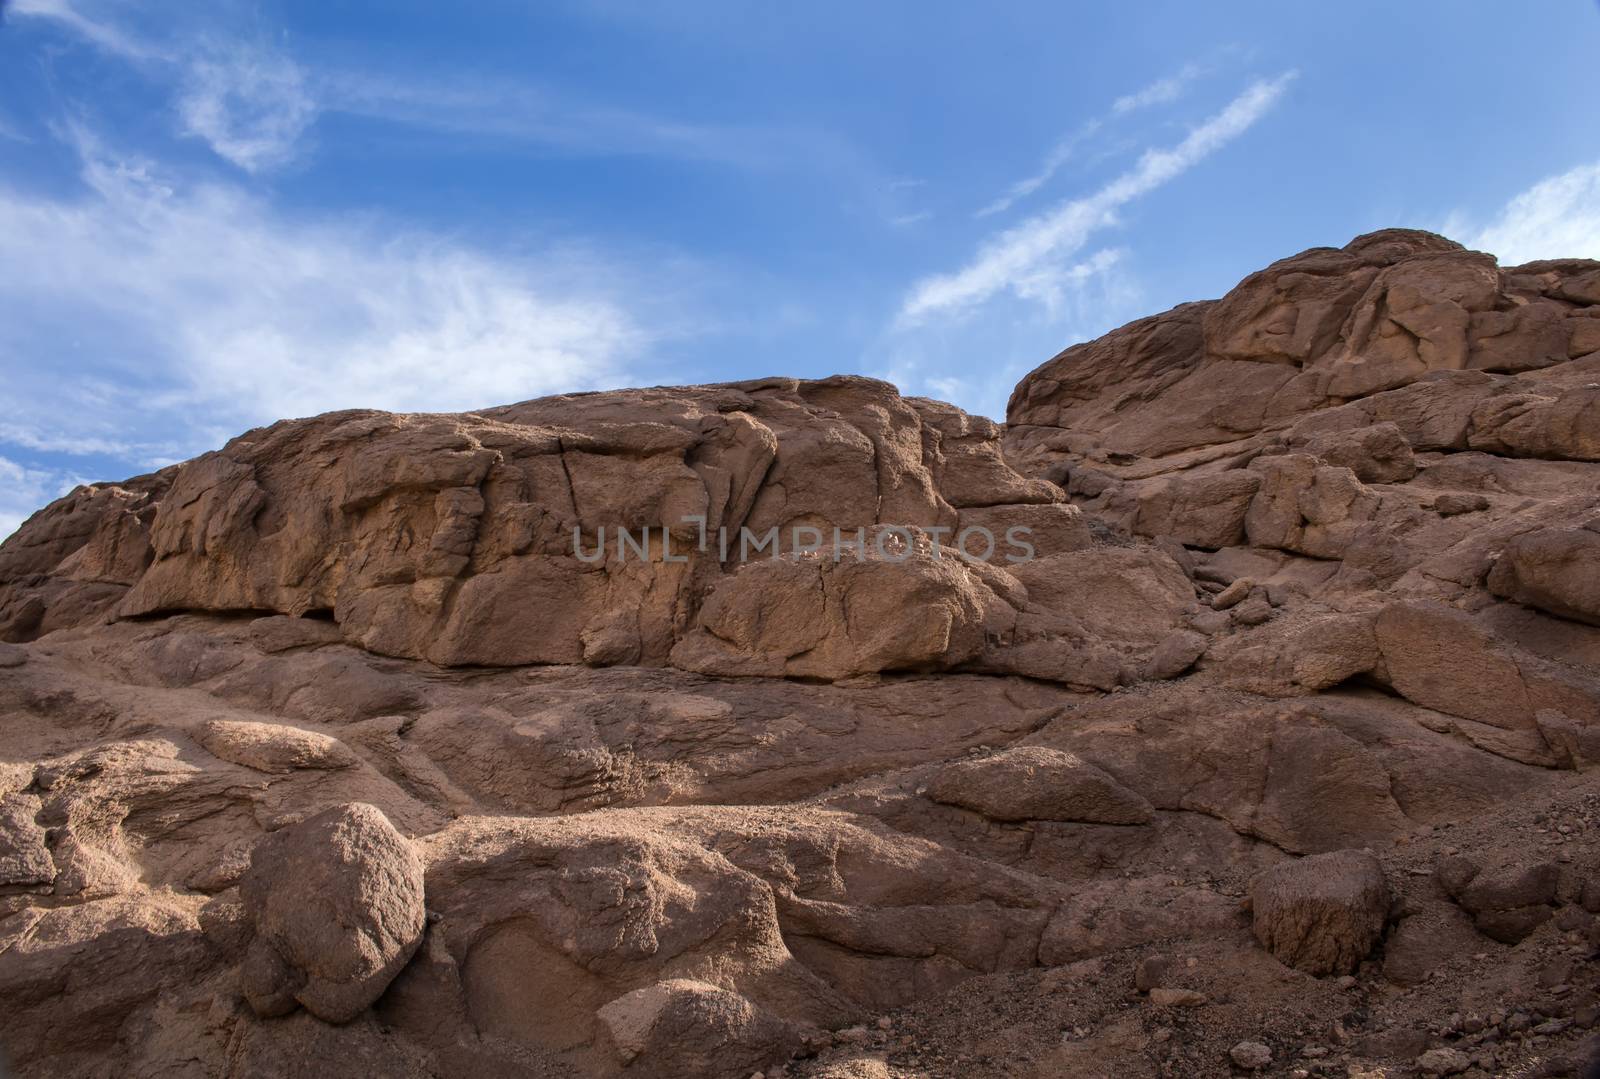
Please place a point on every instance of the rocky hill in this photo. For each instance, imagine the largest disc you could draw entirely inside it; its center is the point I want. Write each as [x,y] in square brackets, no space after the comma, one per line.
[1229,711]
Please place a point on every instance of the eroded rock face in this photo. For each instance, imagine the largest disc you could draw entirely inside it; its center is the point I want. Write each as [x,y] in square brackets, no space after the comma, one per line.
[338,744]
[636,527]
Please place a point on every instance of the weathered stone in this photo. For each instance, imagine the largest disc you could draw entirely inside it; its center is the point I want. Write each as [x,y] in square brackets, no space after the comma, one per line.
[1031,783]
[273,747]
[1200,511]
[1176,654]
[1554,570]
[335,903]
[1251,1056]
[1376,454]
[1321,914]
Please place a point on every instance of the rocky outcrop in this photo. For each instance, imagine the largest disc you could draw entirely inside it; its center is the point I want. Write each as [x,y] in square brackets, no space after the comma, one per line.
[637,527]
[807,729]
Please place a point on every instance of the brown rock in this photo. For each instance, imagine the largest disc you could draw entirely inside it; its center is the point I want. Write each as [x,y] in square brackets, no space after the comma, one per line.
[336,907]
[1321,914]
[688,1028]
[636,868]
[1032,783]
[1233,594]
[1200,511]
[1376,454]
[1163,997]
[1453,504]
[271,747]
[1175,655]
[1552,569]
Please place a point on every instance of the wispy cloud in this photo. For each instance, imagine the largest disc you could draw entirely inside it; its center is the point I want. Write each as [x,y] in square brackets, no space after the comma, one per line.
[1161,92]
[253,104]
[510,110]
[250,104]
[23,490]
[98,32]
[1558,217]
[202,309]
[1031,260]
[9,130]
[937,357]
[246,100]
[1060,154]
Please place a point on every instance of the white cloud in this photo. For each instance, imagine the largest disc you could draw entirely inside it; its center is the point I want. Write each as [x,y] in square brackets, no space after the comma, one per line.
[1059,155]
[975,362]
[251,105]
[1161,92]
[247,101]
[198,309]
[1029,260]
[22,491]
[1558,217]
[100,33]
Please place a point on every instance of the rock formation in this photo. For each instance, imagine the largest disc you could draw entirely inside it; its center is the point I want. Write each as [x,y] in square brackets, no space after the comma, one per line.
[1230,710]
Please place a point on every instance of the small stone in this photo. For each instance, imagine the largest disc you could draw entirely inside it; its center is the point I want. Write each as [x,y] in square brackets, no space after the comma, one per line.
[1571,920]
[1251,1056]
[1454,504]
[1252,612]
[1176,998]
[1150,973]
[1437,1062]
[1345,981]
[1233,594]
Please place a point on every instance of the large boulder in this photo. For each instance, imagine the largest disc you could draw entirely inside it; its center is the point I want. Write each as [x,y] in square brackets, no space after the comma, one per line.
[505,505]
[1553,569]
[1321,914]
[821,618]
[687,1028]
[1380,453]
[1440,658]
[1199,511]
[1508,898]
[336,908]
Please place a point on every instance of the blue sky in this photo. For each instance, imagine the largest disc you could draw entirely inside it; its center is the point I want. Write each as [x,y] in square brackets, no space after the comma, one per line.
[213,216]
